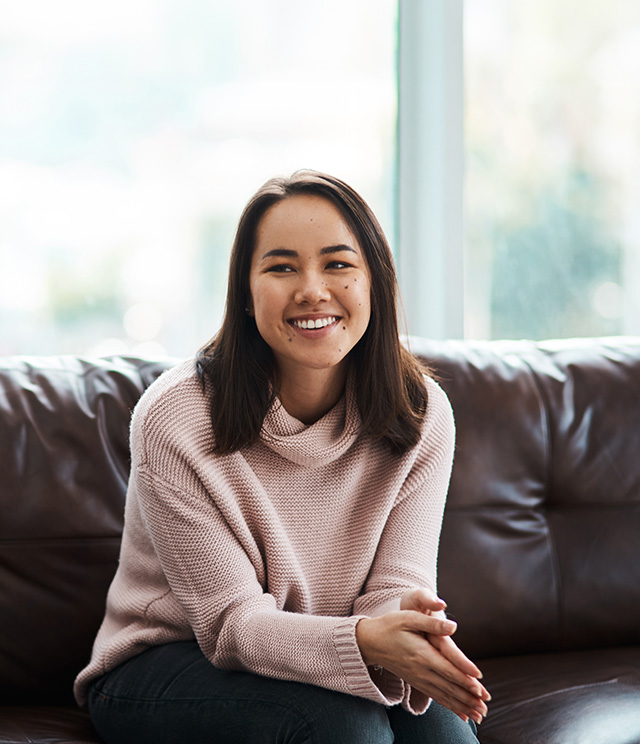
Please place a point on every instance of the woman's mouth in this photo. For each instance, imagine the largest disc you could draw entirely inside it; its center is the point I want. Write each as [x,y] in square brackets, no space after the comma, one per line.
[310,323]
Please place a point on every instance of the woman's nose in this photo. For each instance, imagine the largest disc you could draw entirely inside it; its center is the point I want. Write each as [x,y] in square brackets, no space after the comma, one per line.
[312,289]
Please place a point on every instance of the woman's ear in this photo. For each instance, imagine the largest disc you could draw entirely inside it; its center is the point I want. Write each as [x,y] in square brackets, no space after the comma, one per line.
[249,308]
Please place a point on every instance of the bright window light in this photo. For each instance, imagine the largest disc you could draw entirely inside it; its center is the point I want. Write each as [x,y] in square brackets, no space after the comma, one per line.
[552,168]
[132,134]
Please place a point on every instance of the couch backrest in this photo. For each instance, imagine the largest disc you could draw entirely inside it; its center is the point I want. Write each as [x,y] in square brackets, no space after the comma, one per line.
[64,461]
[540,546]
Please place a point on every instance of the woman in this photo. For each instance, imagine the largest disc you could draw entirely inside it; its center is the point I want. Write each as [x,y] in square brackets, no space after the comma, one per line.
[277,575]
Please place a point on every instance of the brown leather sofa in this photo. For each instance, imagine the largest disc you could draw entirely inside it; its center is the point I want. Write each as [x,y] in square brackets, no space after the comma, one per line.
[540,551]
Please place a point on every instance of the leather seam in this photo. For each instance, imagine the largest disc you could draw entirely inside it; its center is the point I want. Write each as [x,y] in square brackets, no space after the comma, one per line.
[544,401]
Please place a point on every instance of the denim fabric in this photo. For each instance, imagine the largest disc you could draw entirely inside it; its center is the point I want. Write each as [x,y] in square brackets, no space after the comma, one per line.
[172,694]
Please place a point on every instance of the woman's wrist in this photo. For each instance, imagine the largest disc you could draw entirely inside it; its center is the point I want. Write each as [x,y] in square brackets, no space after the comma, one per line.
[364,639]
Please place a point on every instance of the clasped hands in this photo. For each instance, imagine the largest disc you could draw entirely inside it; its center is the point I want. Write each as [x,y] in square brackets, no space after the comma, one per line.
[415,644]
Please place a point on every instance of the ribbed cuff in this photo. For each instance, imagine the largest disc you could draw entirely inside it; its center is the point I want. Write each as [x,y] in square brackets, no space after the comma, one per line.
[414,701]
[360,682]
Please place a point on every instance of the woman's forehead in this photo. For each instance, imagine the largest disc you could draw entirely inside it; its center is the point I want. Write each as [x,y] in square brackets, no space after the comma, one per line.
[303,220]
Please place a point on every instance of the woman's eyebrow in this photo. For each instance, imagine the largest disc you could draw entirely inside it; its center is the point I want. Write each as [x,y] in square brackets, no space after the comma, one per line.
[287,252]
[336,249]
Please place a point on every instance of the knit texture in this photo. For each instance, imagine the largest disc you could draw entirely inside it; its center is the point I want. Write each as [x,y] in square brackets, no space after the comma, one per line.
[269,556]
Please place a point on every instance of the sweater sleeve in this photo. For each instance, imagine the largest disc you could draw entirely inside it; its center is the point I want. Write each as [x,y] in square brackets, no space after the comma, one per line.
[408,549]
[235,622]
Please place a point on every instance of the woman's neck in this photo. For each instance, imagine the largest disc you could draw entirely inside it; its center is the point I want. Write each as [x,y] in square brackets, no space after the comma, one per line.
[312,393]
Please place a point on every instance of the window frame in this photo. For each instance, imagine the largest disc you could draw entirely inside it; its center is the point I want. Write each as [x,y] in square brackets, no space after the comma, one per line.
[430,167]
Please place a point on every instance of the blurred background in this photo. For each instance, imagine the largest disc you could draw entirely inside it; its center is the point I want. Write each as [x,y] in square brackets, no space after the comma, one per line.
[133,133]
[552,141]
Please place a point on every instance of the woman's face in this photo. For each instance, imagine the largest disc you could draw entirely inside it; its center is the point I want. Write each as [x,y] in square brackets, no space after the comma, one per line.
[309,285]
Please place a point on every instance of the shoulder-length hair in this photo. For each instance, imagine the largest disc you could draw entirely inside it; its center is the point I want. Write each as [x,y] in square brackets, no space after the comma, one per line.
[240,367]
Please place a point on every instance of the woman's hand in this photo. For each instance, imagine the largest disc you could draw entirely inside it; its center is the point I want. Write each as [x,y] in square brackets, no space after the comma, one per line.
[416,645]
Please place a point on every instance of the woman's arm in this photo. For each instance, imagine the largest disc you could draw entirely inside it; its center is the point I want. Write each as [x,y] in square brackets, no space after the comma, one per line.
[236,622]
[413,642]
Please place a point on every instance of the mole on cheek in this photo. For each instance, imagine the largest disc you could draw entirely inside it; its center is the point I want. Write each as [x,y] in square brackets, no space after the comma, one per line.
[344,328]
[346,286]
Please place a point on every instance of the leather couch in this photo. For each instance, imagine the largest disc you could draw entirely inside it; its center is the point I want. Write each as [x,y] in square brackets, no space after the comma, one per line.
[539,557]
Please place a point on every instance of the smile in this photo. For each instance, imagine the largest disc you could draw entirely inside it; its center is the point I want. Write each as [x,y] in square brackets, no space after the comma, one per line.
[319,323]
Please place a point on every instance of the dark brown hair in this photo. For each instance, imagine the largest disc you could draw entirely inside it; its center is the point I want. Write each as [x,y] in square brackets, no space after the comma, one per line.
[240,367]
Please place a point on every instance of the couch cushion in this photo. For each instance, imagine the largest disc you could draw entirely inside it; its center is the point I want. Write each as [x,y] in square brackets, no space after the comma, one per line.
[582,696]
[539,547]
[45,725]
[64,432]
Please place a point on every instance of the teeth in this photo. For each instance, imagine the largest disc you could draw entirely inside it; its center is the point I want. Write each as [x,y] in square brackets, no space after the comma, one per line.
[320,323]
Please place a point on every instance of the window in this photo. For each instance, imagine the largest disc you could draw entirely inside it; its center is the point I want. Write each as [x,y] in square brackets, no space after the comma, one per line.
[132,134]
[549,97]
[552,145]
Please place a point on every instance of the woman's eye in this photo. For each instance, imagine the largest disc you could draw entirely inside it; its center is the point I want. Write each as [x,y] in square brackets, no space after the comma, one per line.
[280,269]
[338,265]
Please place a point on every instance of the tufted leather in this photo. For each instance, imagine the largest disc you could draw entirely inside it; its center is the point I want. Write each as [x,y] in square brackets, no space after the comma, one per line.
[45,725]
[63,473]
[544,503]
[555,698]
[539,557]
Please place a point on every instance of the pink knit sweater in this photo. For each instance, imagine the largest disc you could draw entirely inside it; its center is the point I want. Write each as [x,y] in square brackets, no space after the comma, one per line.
[270,556]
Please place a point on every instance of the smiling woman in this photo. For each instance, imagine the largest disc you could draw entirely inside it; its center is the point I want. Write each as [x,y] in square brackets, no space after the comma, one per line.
[269,588]
[312,310]
[315,213]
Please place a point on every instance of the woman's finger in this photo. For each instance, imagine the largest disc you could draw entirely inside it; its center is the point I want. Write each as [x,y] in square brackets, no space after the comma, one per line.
[432,671]
[455,679]
[422,600]
[456,699]
[458,668]
[417,622]
[422,663]
[447,647]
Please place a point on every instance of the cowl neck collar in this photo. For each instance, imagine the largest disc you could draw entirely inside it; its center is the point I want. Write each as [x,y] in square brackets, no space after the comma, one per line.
[316,444]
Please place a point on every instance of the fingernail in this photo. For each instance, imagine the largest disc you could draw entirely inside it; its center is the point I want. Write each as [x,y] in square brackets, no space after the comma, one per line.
[449,625]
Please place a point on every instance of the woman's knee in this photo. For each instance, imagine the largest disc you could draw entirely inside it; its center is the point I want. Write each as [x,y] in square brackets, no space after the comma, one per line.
[334,718]
[438,725]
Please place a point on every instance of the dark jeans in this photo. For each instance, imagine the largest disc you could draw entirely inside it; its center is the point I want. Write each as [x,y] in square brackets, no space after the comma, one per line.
[172,693]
